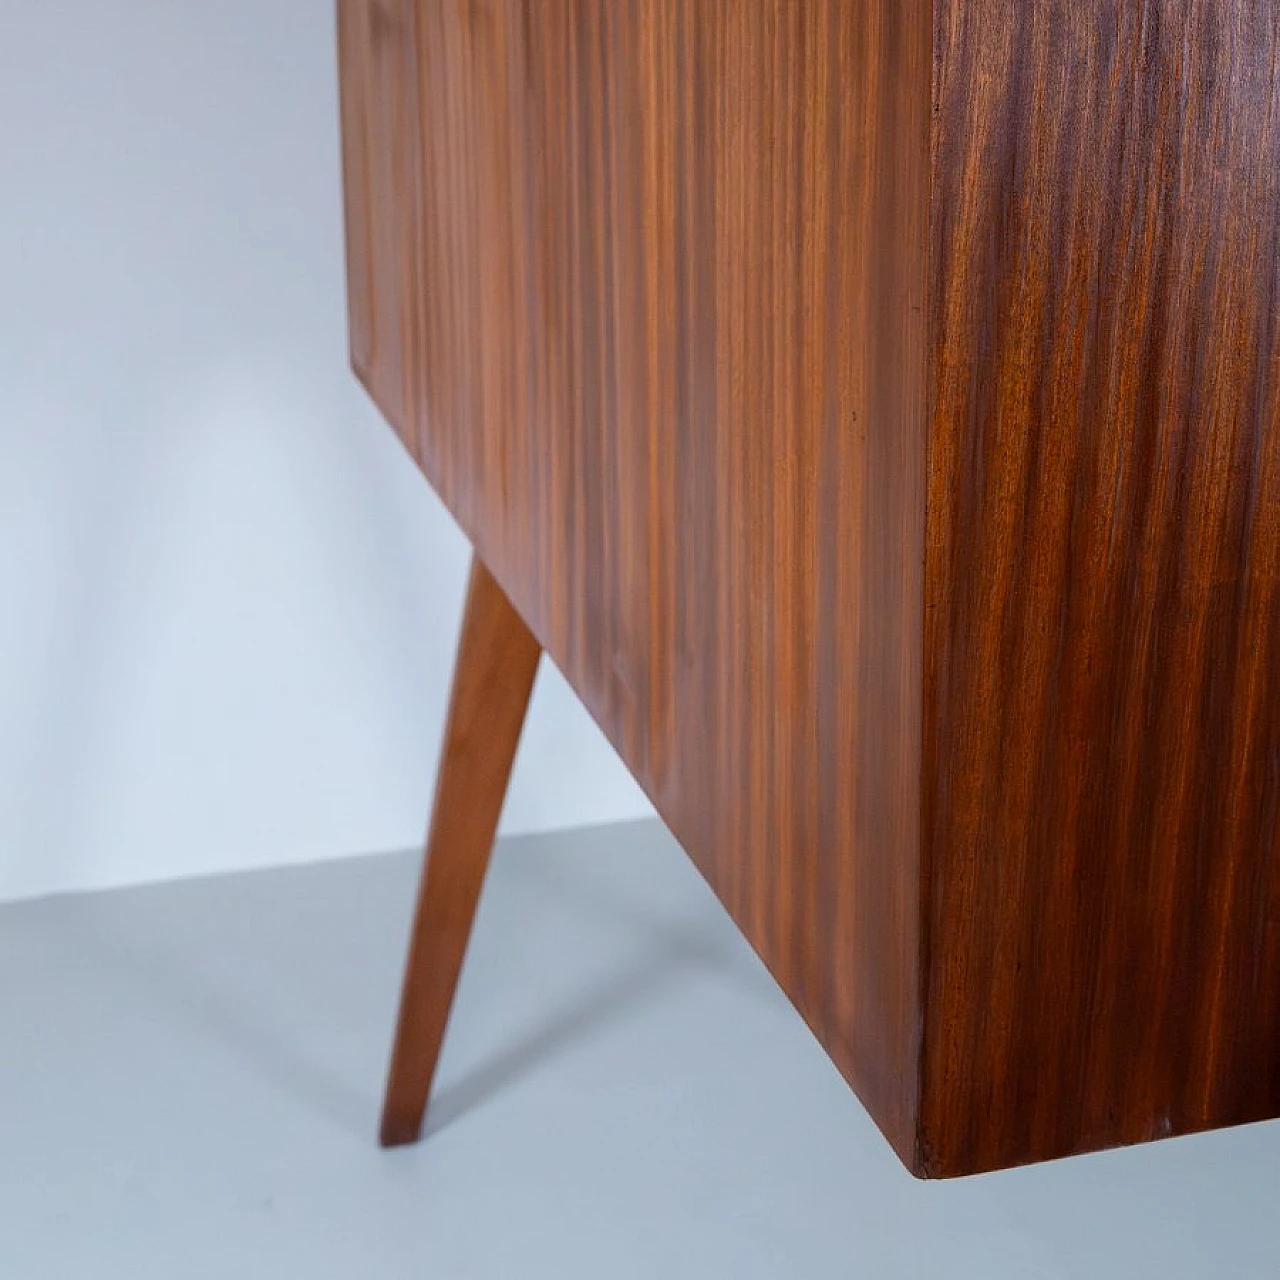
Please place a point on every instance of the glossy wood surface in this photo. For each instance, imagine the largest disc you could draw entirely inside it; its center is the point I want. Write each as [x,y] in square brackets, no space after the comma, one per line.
[872,408]
[496,664]
[1103,639]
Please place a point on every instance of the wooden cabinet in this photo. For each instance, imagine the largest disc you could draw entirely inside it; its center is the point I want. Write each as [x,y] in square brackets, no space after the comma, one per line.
[873,408]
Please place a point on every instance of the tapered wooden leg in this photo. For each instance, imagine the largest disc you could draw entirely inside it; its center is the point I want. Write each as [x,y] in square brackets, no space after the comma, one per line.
[496,663]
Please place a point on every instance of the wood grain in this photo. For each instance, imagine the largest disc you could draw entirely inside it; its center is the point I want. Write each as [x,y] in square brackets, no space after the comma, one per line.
[497,662]
[641,285]
[874,409]
[1102,701]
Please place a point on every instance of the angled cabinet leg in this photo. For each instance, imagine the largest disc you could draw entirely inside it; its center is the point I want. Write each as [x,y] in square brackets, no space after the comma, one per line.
[492,681]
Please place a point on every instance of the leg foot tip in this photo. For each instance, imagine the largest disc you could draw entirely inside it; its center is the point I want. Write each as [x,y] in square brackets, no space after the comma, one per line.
[399,1132]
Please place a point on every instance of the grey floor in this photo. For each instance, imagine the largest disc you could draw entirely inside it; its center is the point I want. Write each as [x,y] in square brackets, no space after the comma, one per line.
[190,1074]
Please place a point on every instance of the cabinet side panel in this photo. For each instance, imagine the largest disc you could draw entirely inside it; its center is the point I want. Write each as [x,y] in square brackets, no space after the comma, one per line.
[664,359]
[1102,725]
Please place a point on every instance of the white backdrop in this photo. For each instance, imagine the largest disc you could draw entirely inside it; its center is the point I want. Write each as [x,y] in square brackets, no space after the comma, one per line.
[228,603]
